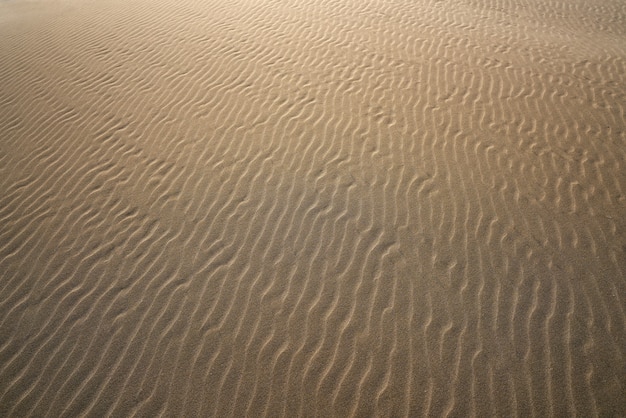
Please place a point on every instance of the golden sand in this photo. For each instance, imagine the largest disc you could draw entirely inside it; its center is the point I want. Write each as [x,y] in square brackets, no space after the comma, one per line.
[313,208]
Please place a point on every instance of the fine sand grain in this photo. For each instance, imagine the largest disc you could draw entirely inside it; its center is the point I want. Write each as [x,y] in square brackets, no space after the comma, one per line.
[313,208]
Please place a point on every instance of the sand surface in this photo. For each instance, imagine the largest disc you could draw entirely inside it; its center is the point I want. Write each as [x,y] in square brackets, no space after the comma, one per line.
[313,208]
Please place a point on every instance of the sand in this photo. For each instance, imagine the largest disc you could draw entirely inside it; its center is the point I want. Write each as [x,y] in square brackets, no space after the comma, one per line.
[313,208]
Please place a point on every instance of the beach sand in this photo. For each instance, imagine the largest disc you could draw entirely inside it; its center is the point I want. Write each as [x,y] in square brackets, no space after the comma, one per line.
[313,208]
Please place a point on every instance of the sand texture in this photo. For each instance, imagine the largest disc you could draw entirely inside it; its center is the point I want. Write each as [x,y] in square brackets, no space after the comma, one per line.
[313,208]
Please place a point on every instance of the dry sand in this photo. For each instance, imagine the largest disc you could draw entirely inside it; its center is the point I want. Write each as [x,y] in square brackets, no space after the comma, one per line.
[313,208]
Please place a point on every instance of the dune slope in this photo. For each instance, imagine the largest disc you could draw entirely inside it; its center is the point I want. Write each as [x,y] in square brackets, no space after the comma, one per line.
[313,208]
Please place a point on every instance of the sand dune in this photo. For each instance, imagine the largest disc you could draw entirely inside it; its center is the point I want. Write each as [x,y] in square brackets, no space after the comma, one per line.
[313,208]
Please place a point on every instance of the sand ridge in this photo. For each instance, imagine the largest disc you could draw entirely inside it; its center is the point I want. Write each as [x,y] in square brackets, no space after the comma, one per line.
[263,208]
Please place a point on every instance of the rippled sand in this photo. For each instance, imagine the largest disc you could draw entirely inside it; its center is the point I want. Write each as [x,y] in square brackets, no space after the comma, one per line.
[313,208]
